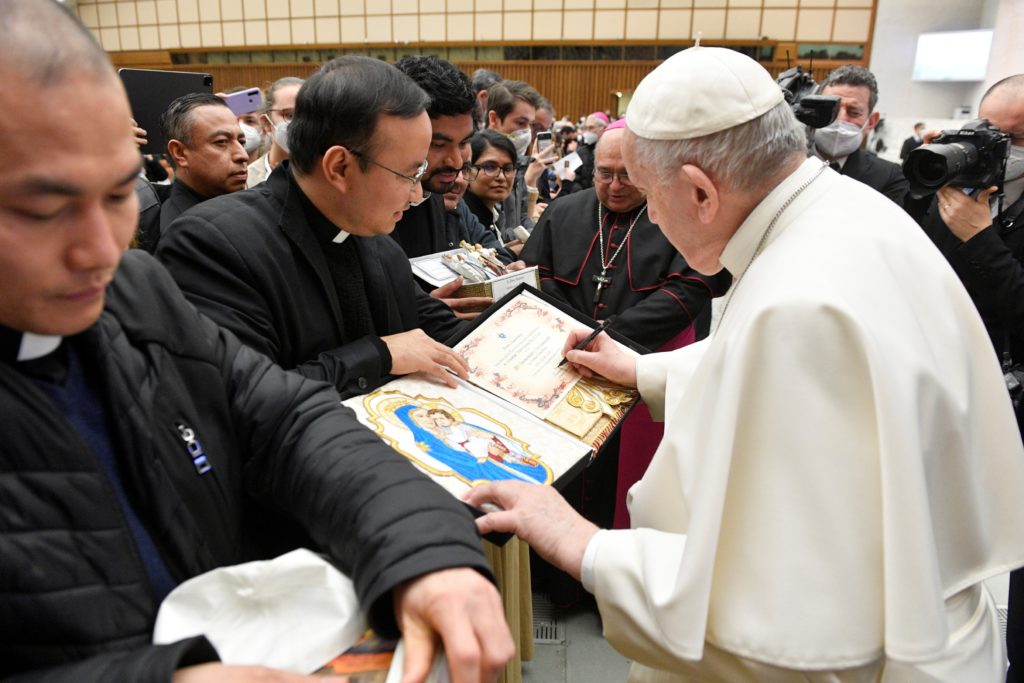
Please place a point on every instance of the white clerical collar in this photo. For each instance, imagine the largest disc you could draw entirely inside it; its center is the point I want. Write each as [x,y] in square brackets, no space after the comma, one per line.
[741,247]
[341,236]
[37,345]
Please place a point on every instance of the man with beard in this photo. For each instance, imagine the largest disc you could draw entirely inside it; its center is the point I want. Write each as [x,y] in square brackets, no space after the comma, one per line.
[289,266]
[452,112]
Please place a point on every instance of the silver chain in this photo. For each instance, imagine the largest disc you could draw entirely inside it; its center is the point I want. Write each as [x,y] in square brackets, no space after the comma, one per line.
[764,240]
[600,238]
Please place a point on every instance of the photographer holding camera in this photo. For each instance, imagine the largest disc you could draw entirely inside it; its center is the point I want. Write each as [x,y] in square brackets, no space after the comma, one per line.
[841,142]
[975,219]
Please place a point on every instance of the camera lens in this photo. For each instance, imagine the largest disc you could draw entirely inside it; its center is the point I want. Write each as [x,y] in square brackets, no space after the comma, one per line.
[932,166]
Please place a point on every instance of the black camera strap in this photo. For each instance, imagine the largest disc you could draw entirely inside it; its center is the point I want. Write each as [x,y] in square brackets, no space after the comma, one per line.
[1008,219]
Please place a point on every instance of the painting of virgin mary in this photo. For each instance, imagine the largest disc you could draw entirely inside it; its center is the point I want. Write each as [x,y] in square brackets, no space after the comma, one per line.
[473,453]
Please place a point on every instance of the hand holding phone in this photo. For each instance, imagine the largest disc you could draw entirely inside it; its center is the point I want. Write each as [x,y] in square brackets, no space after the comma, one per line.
[544,140]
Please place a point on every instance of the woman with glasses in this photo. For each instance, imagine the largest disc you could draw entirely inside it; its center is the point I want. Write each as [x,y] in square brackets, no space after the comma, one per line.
[279,107]
[491,173]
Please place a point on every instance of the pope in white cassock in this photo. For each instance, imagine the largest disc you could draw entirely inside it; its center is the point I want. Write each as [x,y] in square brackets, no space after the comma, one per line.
[841,467]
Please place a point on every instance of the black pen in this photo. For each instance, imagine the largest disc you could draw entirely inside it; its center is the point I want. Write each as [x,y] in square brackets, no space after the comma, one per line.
[585,342]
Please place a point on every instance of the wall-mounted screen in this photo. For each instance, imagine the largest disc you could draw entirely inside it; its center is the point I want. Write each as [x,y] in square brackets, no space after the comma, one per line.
[952,55]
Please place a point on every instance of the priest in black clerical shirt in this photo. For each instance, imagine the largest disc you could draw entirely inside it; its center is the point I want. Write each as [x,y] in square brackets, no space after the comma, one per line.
[598,251]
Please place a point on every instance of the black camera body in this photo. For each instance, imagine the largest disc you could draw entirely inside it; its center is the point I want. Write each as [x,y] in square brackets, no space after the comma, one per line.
[974,156]
[815,111]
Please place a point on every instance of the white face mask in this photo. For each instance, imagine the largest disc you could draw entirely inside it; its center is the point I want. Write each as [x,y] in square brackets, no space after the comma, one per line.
[521,139]
[281,135]
[589,137]
[1014,164]
[253,138]
[838,139]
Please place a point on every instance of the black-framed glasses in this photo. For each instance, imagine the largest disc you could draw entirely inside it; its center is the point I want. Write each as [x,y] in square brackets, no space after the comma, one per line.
[604,176]
[413,179]
[491,170]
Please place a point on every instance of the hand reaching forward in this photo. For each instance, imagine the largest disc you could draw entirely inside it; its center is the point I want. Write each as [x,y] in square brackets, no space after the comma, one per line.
[414,351]
[462,609]
[538,515]
[464,308]
[603,357]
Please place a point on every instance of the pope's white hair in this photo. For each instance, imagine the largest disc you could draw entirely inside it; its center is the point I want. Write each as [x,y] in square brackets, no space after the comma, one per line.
[744,157]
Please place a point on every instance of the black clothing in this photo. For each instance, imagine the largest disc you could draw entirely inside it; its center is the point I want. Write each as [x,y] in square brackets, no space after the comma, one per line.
[515,207]
[655,294]
[483,214]
[882,175]
[147,235]
[182,394]
[909,145]
[421,230]
[181,199]
[585,172]
[991,266]
[430,229]
[250,261]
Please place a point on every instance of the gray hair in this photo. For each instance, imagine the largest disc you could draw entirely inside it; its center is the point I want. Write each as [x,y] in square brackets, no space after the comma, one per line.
[46,43]
[744,157]
[851,74]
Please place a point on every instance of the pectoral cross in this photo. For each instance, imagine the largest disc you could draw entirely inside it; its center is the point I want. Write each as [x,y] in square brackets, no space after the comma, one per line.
[602,281]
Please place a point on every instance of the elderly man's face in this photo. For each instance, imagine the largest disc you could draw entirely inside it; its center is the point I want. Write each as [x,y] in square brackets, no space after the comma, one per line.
[614,187]
[67,201]
[670,205]
[543,121]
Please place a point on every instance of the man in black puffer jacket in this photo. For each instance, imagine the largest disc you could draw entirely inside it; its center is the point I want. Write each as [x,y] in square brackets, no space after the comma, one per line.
[137,434]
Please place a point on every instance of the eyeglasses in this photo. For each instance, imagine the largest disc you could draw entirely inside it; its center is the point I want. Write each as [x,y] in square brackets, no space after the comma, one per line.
[491,170]
[415,178]
[286,114]
[603,175]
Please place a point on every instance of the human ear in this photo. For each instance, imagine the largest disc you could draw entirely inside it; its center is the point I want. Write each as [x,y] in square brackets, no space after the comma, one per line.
[337,166]
[872,121]
[703,192]
[176,148]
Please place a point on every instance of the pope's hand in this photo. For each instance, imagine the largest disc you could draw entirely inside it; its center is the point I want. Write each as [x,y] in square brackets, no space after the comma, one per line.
[603,357]
[462,609]
[538,515]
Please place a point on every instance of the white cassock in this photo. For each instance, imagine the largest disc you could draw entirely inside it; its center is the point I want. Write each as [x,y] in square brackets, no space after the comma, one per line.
[841,467]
